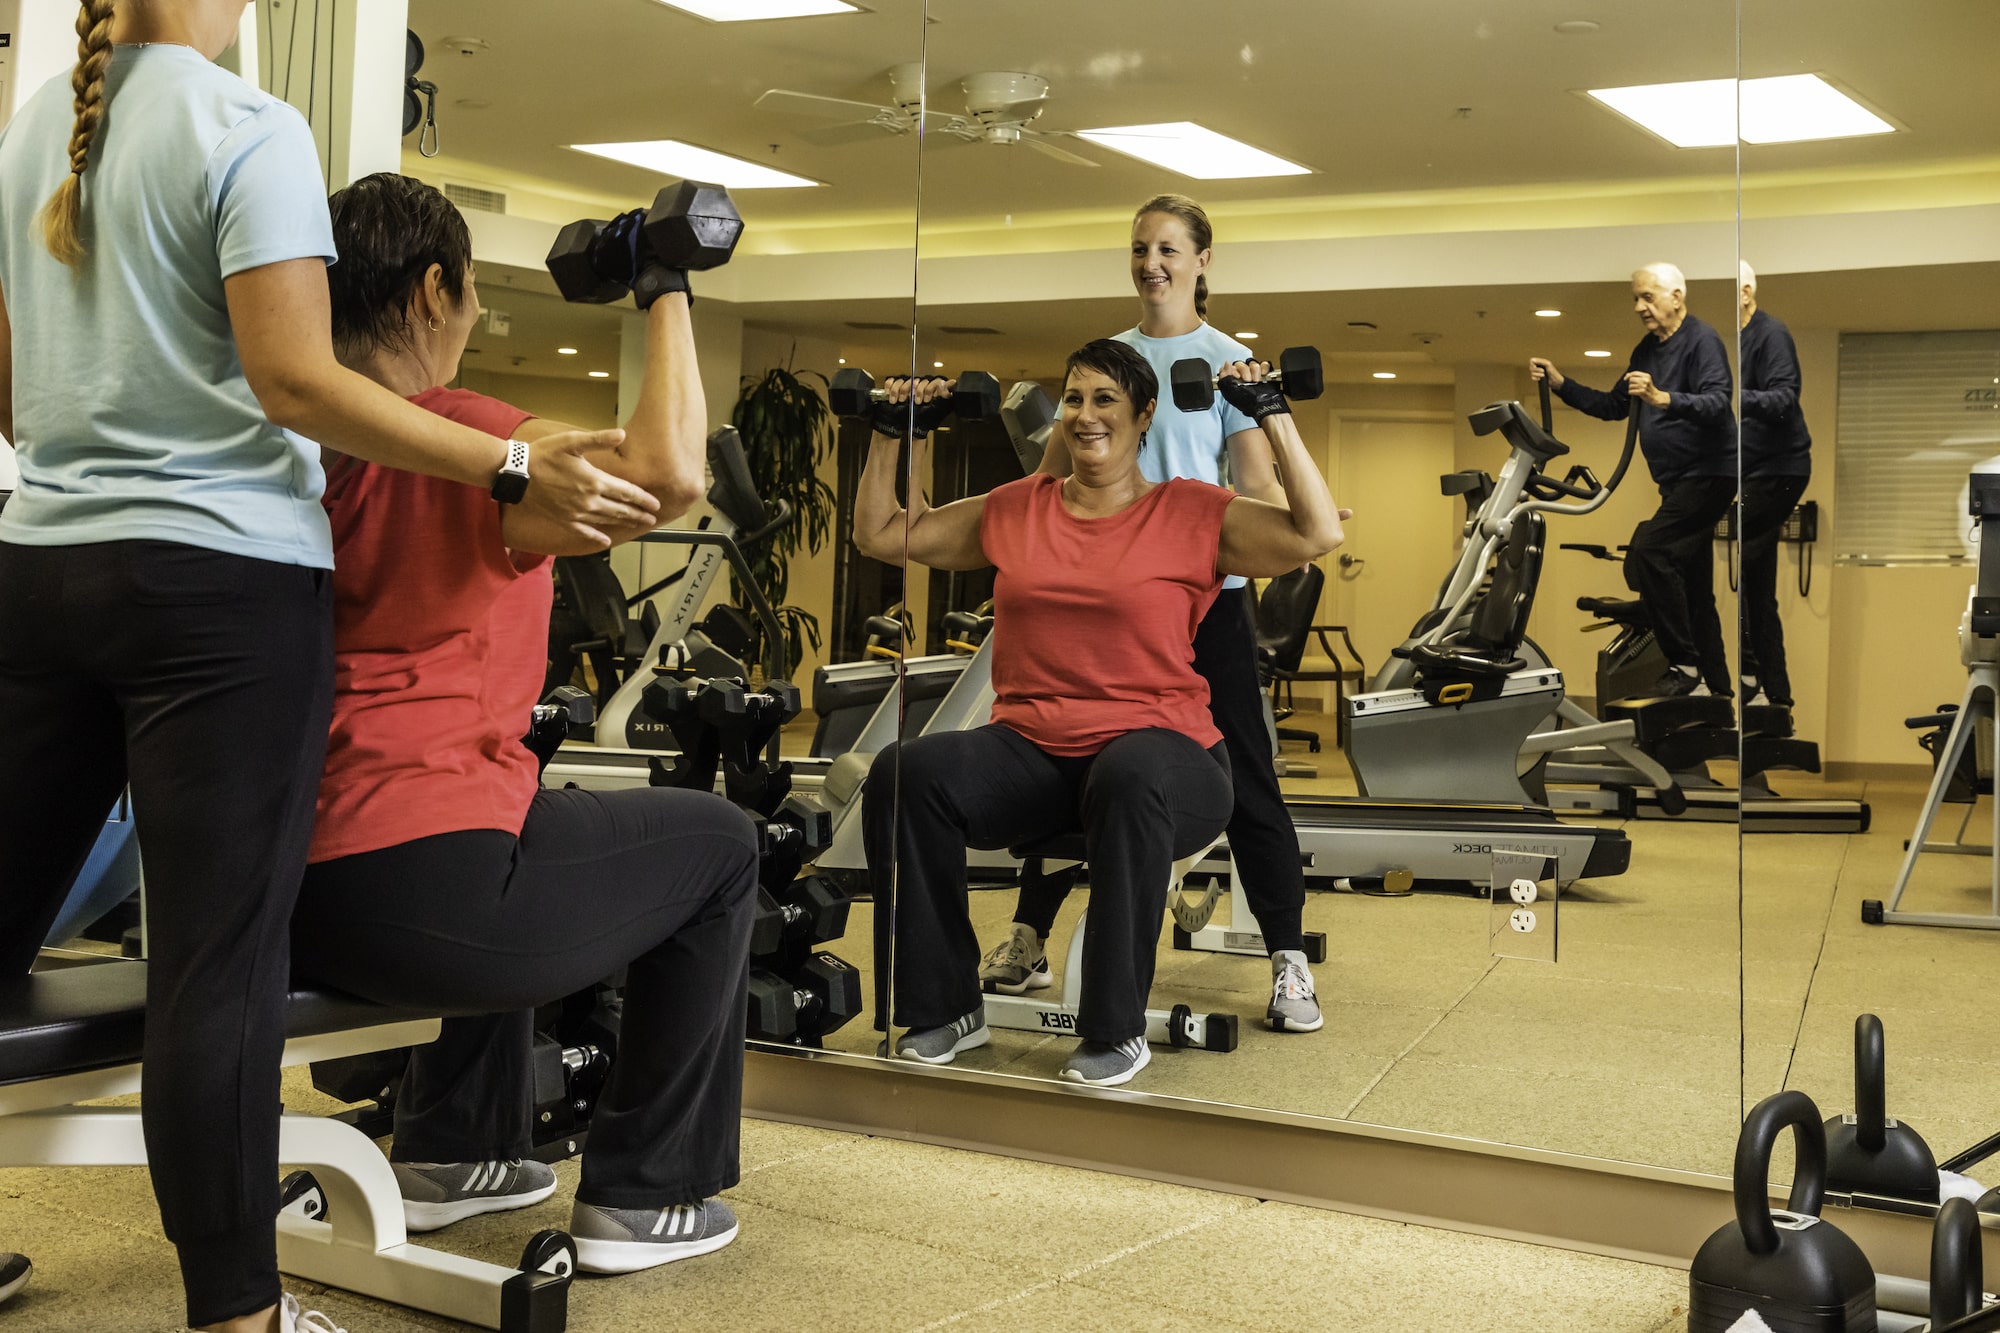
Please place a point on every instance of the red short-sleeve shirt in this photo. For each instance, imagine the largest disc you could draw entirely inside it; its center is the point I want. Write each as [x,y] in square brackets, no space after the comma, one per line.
[440,644]
[1095,617]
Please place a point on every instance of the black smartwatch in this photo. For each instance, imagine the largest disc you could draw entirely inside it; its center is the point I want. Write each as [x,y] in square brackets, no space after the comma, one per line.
[512,483]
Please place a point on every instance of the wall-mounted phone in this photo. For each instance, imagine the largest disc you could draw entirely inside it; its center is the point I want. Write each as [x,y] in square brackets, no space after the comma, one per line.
[1801,529]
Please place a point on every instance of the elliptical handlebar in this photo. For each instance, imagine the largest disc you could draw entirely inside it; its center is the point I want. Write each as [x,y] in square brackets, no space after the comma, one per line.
[1603,492]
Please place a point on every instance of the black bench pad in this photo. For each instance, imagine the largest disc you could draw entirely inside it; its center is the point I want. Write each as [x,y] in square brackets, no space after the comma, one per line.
[74,1019]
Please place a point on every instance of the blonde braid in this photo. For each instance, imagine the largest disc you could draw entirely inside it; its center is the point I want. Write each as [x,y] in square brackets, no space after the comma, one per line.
[62,216]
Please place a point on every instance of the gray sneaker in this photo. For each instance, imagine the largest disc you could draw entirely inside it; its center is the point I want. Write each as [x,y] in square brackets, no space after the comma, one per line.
[1293,1005]
[625,1240]
[1016,964]
[1103,1065]
[939,1046]
[436,1194]
[15,1270]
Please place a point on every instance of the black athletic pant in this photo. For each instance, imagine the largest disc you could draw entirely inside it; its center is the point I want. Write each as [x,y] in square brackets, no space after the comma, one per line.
[484,925]
[1670,564]
[204,680]
[1262,836]
[1767,503]
[1143,801]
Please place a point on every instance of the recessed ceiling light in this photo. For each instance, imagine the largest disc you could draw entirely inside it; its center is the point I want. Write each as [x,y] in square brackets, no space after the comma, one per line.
[937,365]
[740,11]
[565,351]
[1247,335]
[843,361]
[1385,374]
[600,374]
[1549,314]
[670,157]
[1576,27]
[1704,113]
[1192,150]
[1594,352]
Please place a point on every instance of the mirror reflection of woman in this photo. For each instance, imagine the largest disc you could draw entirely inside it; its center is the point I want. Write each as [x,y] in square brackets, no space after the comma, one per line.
[1171,251]
[1099,720]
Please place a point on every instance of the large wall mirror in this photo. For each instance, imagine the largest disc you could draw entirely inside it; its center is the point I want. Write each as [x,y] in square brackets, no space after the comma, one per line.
[1429,201]
[1869,226]
[809,119]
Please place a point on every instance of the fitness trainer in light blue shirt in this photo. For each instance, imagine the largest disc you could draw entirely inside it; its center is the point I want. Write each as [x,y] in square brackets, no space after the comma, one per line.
[165,607]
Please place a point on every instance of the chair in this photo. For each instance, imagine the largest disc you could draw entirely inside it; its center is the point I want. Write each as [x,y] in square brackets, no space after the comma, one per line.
[1285,614]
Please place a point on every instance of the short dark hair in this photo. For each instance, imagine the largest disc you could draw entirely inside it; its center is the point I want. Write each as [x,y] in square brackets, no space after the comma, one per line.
[388,230]
[1122,363]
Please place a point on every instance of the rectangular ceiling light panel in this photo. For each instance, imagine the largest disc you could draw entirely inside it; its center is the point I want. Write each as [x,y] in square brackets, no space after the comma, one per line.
[742,11]
[1192,150]
[1702,113]
[670,157]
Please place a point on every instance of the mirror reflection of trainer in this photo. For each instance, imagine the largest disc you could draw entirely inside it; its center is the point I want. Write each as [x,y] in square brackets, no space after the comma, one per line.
[1777,464]
[1170,254]
[1680,372]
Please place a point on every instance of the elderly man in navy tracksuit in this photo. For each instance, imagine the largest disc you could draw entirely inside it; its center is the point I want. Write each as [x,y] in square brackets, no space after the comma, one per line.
[1679,373]
[1777,464]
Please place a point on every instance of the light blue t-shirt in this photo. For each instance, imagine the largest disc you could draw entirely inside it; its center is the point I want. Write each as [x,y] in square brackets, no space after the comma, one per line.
[1190,444]
[132,418]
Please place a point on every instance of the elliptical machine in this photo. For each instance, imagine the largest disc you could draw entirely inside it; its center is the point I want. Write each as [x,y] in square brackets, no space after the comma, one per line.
[1456,712]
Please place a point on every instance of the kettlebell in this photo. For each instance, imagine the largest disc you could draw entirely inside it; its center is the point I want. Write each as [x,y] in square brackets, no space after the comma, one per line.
[1957,1272]
[1799,1273]
[1868,1153]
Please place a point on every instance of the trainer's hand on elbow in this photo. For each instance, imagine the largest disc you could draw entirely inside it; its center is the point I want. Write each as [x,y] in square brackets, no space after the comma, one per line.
[567,488]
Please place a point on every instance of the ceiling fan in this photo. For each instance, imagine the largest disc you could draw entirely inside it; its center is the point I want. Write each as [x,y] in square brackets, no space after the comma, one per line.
[998,109]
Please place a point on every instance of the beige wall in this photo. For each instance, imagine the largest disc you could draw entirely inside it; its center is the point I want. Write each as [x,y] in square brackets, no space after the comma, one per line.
[591,404]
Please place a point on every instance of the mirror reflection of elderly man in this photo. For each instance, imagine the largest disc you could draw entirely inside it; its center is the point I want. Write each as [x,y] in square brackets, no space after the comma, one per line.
[1777,465]
[1679,373]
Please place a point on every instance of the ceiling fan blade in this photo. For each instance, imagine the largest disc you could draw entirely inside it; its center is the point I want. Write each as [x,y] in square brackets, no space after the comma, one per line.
[812,104]
[1037,141]
[836,136]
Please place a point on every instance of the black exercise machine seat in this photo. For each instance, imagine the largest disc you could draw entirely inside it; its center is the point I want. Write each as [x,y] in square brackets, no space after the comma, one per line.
[1488,648]
[1617,610]
[1520,430]
[75,1019]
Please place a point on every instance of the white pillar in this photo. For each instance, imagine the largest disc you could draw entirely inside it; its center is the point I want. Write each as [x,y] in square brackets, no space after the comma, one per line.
[41,45]
[341,64]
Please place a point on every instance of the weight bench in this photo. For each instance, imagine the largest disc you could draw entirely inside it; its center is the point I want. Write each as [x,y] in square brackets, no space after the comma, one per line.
[1179,1027]
[73,1034]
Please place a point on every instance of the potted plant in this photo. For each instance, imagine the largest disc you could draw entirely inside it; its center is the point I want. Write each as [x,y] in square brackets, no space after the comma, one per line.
[786,429]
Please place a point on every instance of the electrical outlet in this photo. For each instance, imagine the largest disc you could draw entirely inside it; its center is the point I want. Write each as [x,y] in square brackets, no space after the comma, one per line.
[1522,906]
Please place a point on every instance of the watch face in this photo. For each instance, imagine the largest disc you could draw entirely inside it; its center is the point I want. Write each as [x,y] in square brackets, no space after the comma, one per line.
[509,487]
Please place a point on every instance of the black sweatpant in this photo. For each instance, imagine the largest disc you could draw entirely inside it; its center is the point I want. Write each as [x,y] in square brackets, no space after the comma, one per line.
[1262,836]
[486,926]
[1767,503]
[1670,564]
[204,680]
[1142,802]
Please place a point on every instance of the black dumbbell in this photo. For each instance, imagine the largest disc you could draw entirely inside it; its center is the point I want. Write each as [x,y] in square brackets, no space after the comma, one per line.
[1299,376]
[689,226]
[567,712]
[853,393]
[723,701]
[794,834]
[817,999]
[808,911]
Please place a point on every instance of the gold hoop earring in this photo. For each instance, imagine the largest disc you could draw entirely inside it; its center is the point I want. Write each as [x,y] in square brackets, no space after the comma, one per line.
[433,323]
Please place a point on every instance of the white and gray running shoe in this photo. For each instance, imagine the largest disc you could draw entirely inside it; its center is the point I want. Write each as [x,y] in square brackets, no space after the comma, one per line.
[1294,1008]
[436,1194]
[939,1046]
[291,1319]
[625,1240]
[15,1270]
[1105,1065]
[1015,965]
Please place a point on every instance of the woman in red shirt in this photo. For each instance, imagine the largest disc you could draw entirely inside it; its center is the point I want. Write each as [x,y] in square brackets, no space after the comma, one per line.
[441,875]
[1099,720]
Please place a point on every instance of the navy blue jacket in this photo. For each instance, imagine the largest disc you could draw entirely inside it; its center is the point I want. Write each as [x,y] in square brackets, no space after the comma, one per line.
[1694,435]
[1776,442]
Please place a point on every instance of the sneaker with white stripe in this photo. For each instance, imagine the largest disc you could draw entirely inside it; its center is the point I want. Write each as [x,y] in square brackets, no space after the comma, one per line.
[939,1046]
[1106,1065]
[625,1240]
[436,1194]
[291,1319]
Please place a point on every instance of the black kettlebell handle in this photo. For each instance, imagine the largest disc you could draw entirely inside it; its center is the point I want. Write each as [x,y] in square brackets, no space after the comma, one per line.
[1753,1166]
[1871,1113]
[1957,1272]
